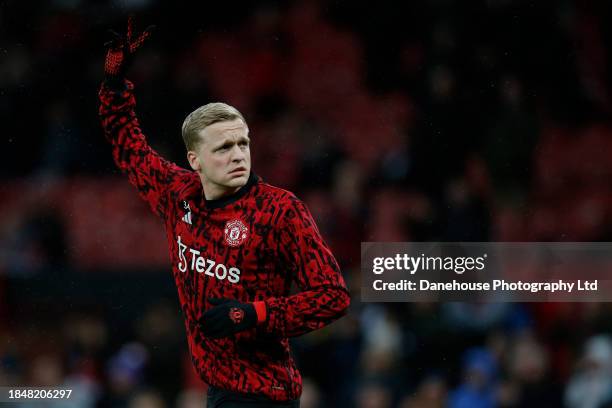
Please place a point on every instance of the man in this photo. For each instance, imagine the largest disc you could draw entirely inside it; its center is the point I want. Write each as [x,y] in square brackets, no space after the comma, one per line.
[236,245]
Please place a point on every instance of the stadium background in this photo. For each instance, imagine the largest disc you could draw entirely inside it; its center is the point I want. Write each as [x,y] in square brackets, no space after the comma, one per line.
[438,120]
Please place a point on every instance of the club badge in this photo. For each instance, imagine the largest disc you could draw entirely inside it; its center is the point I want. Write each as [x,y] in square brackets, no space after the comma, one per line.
[235,233]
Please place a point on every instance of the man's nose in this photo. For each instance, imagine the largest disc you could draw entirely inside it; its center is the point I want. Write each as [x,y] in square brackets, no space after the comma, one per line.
[237,154]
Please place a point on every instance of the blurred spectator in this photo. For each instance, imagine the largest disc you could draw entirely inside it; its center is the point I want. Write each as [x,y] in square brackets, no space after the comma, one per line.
[431,393]
[374,395]
[39,243]
[311,395]
[382,341]
[146,399]
[159,330]
[528,368]
[125,372]
[591,384]
[477,389]
[190,398]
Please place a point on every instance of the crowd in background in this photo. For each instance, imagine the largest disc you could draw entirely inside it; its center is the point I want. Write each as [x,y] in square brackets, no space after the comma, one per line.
[440,120]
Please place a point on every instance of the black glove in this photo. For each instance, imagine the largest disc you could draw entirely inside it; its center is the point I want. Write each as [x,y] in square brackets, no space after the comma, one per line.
[227,317]
[120,50]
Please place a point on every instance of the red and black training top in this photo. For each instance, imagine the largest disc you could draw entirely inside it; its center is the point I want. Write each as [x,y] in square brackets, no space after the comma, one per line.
[250,246]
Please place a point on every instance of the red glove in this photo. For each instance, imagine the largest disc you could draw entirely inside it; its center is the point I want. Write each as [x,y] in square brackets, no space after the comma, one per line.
[121,49]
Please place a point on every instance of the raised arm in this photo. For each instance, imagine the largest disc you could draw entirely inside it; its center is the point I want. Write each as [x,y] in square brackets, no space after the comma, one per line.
[146,170]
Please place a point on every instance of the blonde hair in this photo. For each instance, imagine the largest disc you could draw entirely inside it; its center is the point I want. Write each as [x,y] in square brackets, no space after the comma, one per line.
[205,116]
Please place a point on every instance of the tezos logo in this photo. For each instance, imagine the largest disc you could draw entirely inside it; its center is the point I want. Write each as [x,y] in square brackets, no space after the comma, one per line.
[235,233]
[200,264]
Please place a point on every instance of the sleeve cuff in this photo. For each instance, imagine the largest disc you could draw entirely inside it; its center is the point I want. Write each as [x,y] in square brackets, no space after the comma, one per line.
[260,311]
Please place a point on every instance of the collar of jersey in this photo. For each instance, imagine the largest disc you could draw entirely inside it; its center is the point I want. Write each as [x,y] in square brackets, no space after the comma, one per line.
[228,199]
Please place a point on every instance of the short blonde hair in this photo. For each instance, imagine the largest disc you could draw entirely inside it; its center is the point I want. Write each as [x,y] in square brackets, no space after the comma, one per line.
[205,116]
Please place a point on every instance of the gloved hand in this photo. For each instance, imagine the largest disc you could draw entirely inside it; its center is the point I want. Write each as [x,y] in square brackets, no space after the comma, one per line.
[228,317]
[121,49]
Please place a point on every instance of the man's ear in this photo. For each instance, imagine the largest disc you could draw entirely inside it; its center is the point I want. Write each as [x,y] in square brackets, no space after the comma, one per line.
[194,160]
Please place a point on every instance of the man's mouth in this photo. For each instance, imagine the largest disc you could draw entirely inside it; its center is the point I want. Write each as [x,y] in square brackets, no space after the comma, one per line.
[238,170]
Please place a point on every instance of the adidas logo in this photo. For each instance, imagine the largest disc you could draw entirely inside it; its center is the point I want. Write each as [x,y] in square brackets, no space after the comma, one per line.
[187,217]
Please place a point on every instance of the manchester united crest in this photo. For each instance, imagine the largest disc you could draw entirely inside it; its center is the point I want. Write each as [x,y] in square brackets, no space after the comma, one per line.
[236,315]
[235,233]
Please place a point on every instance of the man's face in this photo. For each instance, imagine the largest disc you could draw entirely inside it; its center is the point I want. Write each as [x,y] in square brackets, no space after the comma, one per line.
[222,158]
